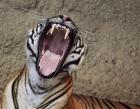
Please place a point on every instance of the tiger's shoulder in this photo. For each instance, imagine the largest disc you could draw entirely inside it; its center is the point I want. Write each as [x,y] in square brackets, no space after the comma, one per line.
[7,93]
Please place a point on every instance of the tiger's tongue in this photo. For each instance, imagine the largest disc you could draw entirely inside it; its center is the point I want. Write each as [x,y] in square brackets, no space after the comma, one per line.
[49,62]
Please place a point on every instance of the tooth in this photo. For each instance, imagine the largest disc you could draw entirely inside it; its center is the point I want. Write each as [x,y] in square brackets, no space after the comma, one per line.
[52,29]
[57,26]
[66,34]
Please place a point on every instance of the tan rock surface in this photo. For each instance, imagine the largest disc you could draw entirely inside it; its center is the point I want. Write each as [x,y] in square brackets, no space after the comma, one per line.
[111,29]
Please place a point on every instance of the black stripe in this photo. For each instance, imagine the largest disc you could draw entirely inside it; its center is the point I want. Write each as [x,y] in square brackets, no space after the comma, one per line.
[33,61]
[91,98]
[81,46]
[137,105]
[83,101]
[31,85]
[54,94]
[41,88]
[111,103]
[49,102]
[76,52]
[31,37]
[49,89]
[107,105]
[74,62]
[56,98]
[36,29]
[38,26]
[25,84]
[92,105]
[29,47]
[78,39]
[99,103]
[32,31]
[126,106]
[86,100]
[15,89]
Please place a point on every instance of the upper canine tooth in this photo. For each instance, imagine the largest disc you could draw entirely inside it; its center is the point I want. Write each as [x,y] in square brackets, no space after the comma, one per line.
[53,27]
[66,34]
[57,26]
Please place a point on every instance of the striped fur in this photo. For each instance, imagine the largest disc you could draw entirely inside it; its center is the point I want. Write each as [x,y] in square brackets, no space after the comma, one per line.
[82,102]
[29,90]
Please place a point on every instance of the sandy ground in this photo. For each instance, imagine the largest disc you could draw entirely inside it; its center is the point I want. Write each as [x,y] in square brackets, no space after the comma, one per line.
[111,29]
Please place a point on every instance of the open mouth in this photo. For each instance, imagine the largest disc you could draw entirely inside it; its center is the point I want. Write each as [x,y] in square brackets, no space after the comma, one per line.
[53,47]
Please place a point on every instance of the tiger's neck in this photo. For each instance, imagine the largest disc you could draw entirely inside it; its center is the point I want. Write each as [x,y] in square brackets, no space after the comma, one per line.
[42,93]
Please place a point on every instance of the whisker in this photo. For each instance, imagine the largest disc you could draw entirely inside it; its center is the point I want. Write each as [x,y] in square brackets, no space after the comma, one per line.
[34,18]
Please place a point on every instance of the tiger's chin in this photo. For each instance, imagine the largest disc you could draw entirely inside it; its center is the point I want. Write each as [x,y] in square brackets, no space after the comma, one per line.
[54,45]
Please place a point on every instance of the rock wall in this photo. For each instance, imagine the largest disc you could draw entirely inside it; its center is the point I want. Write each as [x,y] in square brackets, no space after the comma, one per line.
[111,29]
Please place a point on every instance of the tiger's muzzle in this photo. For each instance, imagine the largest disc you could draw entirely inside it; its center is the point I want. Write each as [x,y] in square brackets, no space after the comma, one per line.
[55,42]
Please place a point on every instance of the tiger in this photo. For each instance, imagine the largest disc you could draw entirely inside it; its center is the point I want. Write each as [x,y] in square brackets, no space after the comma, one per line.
[54,49]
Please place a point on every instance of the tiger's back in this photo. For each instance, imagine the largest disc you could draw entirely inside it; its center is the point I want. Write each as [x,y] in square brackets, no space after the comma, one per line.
[90,102]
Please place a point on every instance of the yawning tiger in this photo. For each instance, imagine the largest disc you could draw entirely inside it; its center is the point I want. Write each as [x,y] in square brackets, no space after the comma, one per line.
[54,50]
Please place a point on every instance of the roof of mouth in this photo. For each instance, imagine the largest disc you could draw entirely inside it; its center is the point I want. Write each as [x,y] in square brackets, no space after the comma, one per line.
[59,28]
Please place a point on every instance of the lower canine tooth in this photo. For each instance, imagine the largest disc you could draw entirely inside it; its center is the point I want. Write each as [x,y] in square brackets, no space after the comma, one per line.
[66,34]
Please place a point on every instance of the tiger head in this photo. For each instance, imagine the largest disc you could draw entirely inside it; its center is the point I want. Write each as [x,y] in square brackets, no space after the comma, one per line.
[55,46]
